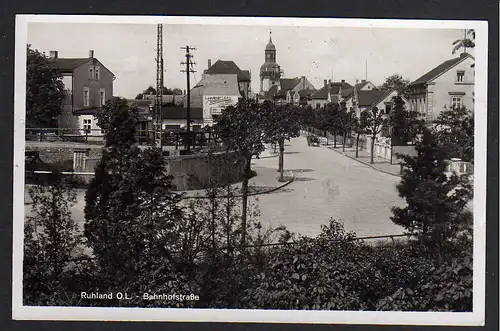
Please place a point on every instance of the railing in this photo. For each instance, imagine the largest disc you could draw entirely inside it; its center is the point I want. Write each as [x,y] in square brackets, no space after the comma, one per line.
[90,258]
[172,137]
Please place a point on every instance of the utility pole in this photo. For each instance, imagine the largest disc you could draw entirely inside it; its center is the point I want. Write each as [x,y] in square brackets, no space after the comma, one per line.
[157,118]
[188,70]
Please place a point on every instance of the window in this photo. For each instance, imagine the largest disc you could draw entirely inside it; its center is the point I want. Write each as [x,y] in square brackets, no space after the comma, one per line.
[456,102]
[318,106]
[102,97]
[87,125]
[460,76]
[86,97]
[96,73]
[91,72]
[387,108]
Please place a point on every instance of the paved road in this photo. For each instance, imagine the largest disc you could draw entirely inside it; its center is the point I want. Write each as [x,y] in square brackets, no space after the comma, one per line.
[327,185]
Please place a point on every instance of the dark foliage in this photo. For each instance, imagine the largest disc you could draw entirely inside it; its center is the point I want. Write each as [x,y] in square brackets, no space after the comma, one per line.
[436,208]
[51,237]
[406,125]
[455,133]
[44,91]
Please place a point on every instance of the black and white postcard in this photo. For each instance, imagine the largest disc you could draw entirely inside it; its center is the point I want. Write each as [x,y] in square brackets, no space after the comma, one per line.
[223,169]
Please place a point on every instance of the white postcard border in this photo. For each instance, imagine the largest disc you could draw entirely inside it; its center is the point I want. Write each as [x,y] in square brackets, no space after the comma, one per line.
[476,317]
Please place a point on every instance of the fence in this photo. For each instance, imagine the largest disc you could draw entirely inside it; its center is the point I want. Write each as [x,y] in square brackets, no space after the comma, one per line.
[96,136]
[288,243]
[349,141]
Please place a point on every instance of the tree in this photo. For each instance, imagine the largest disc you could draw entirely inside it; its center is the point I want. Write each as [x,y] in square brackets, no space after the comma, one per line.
[44,90]
[330,120]
[375,122]
[165,90]
[240,129]
[345,121]
[455,133]
[468,41]
[395,82]
[359,126]
[281,123]
[51,238]
[405,124]
[131,212]
[436,203]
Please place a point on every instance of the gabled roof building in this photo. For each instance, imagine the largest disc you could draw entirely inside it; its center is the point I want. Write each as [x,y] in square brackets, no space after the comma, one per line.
[450,84]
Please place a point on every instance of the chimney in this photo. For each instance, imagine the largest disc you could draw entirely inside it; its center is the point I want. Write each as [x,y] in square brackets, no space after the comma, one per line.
[363,81]
[343,80]
[209,63]
[329,81]
[325,82]
[53,54]
[91,54]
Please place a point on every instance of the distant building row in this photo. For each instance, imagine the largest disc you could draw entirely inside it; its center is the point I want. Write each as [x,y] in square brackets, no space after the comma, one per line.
[89,84]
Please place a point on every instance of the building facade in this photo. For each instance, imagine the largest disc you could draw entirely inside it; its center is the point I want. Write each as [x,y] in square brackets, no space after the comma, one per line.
[88,84]
[450,84]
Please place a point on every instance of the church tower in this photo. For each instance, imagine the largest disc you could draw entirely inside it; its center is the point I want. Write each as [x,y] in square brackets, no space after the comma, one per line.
[270,72]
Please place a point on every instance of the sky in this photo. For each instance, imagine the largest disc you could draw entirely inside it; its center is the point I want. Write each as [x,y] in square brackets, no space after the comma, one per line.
[129,50]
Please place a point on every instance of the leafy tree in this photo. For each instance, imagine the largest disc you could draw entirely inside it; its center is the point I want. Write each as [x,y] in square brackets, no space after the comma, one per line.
[281,123]
[405,124]
[436,203]
[345,121]
[44,90]
[165,90]
[240,129]
[455,133]
[359,126]
[395,82]
[131,212]
[51,239]
[328,119]
[468,41]
[375,122]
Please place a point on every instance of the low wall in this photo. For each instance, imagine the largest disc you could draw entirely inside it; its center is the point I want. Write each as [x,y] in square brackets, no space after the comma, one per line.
[199,171]
[404,150]
[190,172]
[61,154]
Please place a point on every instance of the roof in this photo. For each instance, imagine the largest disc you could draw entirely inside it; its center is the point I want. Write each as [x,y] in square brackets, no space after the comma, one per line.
[273,91]
[288,83]
[87,111]
[69,64]
[359,86]
[367,98]
[270,46]
[228,67]
[306,93]
[179,113]
[245,75]
[437,71]
[322,93]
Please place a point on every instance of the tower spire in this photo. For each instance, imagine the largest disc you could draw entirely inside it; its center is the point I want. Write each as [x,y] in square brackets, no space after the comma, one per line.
[270,35]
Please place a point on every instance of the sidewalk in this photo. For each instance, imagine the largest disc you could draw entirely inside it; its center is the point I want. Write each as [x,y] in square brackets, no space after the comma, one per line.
[380,164]
[265,182]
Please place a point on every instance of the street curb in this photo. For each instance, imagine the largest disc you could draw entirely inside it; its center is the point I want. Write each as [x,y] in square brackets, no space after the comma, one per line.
[274,189]
[367,164]
[267,157]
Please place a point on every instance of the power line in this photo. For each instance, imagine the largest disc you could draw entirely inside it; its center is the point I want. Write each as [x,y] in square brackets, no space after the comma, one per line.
[157,126]
[188,70]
